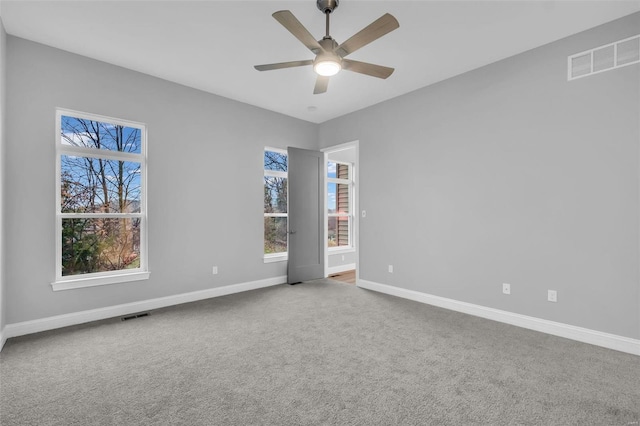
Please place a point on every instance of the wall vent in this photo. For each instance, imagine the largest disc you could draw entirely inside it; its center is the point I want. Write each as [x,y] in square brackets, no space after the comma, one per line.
[130,317]
[604,58]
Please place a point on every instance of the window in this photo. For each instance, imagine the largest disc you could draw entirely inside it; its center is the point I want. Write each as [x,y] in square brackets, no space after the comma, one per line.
[100,202]
[275,204]
[339,204]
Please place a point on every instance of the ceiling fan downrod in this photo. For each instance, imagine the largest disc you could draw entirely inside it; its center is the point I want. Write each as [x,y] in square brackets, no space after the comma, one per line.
[327,25]
[326,7]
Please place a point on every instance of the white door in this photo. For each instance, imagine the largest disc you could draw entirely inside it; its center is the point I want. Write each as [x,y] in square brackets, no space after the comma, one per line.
[306,215]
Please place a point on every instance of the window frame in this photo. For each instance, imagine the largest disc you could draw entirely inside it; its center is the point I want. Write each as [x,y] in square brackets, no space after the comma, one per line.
[282,256]
[107,277]
[351,215]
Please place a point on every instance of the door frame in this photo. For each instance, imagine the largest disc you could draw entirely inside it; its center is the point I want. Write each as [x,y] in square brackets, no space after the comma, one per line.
[356,202]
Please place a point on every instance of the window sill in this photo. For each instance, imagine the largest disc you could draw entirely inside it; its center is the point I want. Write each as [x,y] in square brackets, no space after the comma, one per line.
[69,284]
[271,258]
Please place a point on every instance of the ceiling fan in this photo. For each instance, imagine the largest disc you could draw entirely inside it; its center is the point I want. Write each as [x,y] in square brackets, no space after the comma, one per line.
[330,56]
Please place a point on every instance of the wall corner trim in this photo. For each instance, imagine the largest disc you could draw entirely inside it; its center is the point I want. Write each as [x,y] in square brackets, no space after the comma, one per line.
[3,338]
[584,335]
[59,321]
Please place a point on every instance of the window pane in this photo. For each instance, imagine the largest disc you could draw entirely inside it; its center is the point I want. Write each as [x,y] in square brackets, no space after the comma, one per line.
[338,231]
[99,245]
[275,235]
[342,171]
[337,170]
[100,135]
[275,195]
[332,197]
[337,198]
[275,161]
[91,185]
[331,169]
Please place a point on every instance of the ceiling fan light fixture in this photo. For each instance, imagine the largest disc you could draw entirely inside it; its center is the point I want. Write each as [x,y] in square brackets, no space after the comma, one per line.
[327,67]
[330,56]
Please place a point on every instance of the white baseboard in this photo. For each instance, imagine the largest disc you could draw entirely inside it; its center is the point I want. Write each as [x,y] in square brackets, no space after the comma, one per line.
[585,335]
[58,321]
[341,268]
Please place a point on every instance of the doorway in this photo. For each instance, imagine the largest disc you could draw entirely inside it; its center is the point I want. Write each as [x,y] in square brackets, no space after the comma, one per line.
[341,221]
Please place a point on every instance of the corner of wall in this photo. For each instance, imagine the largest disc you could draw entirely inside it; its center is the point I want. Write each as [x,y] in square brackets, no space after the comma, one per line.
[3,45]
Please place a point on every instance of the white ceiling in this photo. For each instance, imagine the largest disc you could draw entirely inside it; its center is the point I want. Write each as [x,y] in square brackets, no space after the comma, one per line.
[213,45]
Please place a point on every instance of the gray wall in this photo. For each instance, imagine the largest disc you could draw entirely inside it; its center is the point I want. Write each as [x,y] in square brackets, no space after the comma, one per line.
[350,257]
[509,174]
[205,158]
[3,62]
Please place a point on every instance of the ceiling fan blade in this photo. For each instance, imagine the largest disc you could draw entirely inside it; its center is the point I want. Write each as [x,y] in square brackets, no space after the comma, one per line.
[280,65]
[381,26]
[366,68]
[294,26]
[321,85]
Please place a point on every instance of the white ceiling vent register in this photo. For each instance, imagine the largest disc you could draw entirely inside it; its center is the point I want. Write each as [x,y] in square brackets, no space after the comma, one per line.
[605,58]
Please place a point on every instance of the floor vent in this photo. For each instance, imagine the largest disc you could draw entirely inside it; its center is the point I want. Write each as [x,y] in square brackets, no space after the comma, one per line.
[604,58]
[129,317]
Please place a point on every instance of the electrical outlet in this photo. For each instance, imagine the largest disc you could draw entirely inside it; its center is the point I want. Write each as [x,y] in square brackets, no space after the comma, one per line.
[215,270]
[552,296]
[364,213]
[391,269]
[506,288]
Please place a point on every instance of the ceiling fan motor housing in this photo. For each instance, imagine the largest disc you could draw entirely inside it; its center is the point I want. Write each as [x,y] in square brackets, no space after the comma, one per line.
[328,44]
[327,6]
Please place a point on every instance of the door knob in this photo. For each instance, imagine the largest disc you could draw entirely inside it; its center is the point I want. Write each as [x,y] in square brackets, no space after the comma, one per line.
[292,232]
